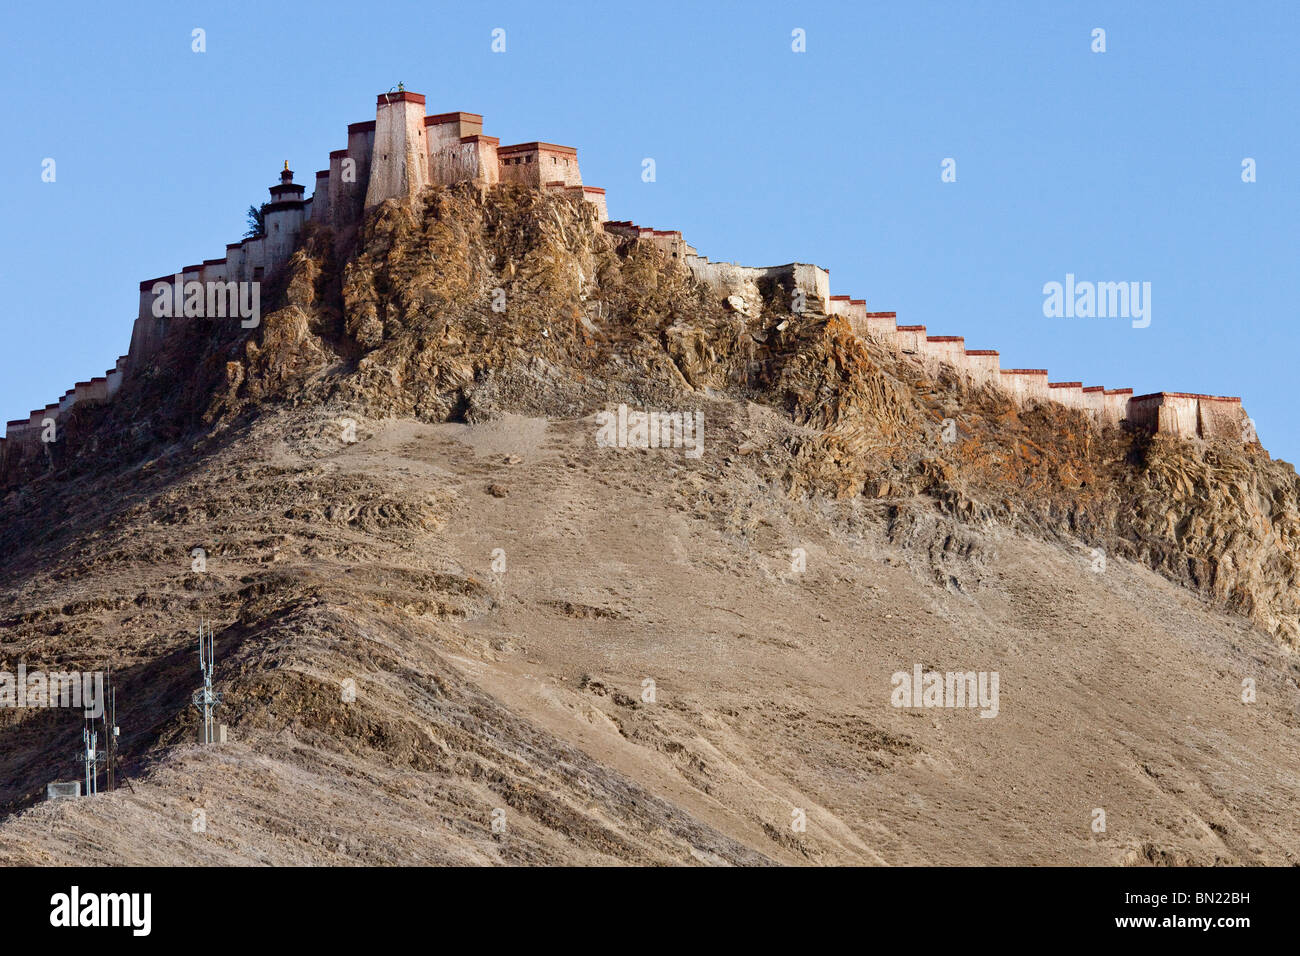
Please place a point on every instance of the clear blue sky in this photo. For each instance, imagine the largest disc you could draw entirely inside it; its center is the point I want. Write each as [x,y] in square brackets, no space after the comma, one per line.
[1122,166]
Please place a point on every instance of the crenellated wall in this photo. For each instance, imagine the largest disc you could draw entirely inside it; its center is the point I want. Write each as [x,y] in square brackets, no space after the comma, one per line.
[984,366]
[402,150]
[394,155]
[1178,413]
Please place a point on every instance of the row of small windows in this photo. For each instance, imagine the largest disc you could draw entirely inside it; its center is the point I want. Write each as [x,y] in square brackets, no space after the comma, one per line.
[516,160]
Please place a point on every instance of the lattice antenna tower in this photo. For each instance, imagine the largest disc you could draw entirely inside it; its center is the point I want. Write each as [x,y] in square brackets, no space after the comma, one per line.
[206,699]
[91,756]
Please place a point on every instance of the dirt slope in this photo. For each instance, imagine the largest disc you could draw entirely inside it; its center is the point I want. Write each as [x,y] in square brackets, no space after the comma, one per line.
[479,690]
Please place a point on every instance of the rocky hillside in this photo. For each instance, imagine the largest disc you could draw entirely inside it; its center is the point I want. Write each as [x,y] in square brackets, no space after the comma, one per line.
[423,395]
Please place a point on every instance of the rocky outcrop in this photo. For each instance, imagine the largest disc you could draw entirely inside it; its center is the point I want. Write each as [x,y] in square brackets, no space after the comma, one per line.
[466,303]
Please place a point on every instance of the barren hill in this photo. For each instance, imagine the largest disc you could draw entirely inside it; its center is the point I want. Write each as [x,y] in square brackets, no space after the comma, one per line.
[627,655]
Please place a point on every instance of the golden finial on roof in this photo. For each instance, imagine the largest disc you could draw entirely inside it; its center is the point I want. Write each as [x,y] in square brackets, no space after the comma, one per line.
[286,164]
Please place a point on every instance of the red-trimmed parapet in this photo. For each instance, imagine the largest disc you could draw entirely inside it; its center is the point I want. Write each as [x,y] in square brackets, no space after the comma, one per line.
[1025,383]
[910,339]
[1094,400]
[531,164]
[984,366]
[1115,405]
[455,116]
[881,325]
[402,96]
[1067,393]
[948,349]
[443,129]
[1189,415]
[596,196]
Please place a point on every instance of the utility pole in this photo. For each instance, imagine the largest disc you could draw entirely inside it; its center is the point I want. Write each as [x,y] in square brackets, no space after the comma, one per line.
[110,732]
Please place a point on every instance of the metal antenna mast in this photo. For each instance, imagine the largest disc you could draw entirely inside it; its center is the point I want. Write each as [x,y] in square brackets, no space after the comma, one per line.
[92,757]
[206,699]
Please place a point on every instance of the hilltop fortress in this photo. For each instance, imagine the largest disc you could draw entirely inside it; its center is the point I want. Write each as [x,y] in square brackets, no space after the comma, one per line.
[402,150]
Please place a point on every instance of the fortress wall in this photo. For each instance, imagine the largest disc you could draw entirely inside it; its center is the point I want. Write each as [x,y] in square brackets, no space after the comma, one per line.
[147,331]
[1221,417]
[147,296]
[1144,411]
[340,209]
[1094,401]
[450,129]
[1069,394]
[15,436]
[283,227]
[596,196]
[1115,405]
[320,198]
[473,160]
[533,164]
[910,339]
[1026,383]
[215,270]
[189,274]
[559,162]
[36,420]
[668,241]
[727,278]
[858,315]
[982,366]
[255,262]
[1174,413]
[115,375]
[146,336]
[519,164]
[351,193]
[489,167]
[96,390]
[235,261]
[949,349]
[399,167]
[1179,415]
[404,150]
[1189,415]
[813,281]
[880,325]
